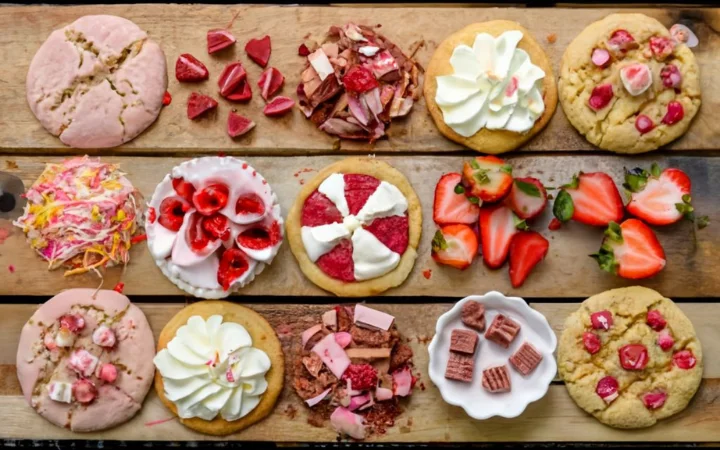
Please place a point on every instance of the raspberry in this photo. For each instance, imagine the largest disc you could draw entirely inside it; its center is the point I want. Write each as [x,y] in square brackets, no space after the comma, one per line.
[250,204]
[233,264]
[259,237]
[172,212]
[655,320]
[362,376]
[217,226]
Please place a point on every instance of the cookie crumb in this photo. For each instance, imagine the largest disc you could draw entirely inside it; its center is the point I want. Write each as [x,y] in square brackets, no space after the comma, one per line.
[552,38]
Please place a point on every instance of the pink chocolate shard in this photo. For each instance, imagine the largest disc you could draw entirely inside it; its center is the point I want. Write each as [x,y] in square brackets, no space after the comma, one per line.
[359,400]
[502,331]
[463,341]
[371,318]
[315,400]
[496,379]
[402,382]
[473,315]
[460,367]
[526,358]
[310,332]
[345,421]
[382,394]
[368,353]
[332,355]
[329,319]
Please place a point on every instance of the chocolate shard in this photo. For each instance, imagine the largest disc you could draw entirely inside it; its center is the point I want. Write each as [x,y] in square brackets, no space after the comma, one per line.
[526,358]
[460,367]
[496,379]
[463,341]
[502,331]
[473,315]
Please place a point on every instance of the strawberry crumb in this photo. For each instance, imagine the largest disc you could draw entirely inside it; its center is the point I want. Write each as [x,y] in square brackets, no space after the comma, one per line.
[422,386]
[4,234]
[552,38]
[427,273]
[244,166]
[152,215]
[11,268]
[139,238]
[167,99]
[302,181]
[119,287]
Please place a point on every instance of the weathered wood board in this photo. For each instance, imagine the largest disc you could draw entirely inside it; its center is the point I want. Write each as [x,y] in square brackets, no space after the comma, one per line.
[182,28]
[427,417]
[567,271]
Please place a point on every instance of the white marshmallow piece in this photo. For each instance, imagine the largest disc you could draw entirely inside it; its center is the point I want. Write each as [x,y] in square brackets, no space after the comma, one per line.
[60,391]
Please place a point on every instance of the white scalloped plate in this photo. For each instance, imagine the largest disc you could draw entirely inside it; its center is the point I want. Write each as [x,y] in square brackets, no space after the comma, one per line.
[476,401]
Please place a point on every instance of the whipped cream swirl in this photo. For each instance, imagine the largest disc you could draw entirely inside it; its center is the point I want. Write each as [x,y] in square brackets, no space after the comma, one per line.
[494,86]
[211,368]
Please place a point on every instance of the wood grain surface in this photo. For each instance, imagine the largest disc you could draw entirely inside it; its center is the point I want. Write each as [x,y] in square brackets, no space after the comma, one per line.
[427,418]
[182,28]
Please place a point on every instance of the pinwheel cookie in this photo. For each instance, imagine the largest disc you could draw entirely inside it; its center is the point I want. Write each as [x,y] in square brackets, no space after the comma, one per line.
[354,228]
[490,87]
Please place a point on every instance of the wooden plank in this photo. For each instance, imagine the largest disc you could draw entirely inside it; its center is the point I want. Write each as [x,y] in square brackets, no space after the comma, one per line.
[426,419]
[181,28]
[567,271]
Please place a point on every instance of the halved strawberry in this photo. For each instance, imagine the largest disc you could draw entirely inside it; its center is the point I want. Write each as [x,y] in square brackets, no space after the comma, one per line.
[486,178]
[527,197]
[231,77]
[455,245]
[630,250]
[527,249]
[188,69]
[199,104]
[172,212]
[211,199]
[219,39]
[498,225]
[659,198]
[591,198]
[451,205]
[183,188]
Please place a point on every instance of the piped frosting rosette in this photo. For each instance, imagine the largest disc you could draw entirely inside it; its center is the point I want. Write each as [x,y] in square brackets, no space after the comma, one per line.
[213,224]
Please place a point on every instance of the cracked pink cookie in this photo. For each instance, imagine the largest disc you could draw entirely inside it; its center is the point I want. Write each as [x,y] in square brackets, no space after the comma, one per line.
[85,363]
[97,83]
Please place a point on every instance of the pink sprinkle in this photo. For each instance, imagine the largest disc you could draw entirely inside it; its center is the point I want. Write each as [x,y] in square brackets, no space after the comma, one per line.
[158,422]
[11,268]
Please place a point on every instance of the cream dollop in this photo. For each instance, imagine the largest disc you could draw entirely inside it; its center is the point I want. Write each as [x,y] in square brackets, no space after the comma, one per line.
[211,368]
[494,86]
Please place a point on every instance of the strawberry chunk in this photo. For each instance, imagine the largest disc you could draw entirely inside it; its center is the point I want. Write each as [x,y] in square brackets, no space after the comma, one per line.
[238,125]
[183,188]
[591,342]
[72,322]
[84,391]
[172,212]
[644,124]
[199,104]
[661,47]
[655,320]
[600,96]
[361,376]
[600,57]
[527,197]
[450,204]
[654,400]
[231,77]
[630,250]
[607,389]
[659,198]
[303,50]
[242,93]
[498,225]
[633,356]
[167,99]
[671,76]
[250,204]
[665,340]
[190,69]
[260,237]
[217,226]
[527,249]
[359,79]
[278,106]
[270,82]
[621,41]
[455,245]
[219,39]
[591,198]
[601,320]
[259,50]
[675,113]
[486,178]
[554,224]
[684,359]
[211,199]
[233,264]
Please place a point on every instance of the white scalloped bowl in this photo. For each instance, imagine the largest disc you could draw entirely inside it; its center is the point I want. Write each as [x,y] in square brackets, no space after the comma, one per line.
[472,397]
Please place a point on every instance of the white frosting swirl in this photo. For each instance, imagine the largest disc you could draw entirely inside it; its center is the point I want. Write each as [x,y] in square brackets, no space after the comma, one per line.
[210,367]
[495,86]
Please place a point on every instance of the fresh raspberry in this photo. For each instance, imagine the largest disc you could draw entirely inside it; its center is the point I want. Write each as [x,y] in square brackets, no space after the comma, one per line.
[654,400]
[655,320]
[359,79]
[601,320]
[72,322]
[592,343]
[684,359]
[250,204]
[633,356]
[362,376]
[607,389]
[233,264]
[211,199]
[172,212]
[84,391]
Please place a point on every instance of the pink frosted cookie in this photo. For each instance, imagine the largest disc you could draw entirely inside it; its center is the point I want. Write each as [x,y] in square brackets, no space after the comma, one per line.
[213,224]
[97,83]
[85,363]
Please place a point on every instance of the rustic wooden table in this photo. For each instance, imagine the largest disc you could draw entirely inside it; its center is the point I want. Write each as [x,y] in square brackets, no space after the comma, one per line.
[281,148]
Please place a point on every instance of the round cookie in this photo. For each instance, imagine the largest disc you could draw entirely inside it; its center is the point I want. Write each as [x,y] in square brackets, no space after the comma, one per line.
[383,172]
[613,127]
[98,82]
[43,360]
[670,379]
[263,338]
[486,140]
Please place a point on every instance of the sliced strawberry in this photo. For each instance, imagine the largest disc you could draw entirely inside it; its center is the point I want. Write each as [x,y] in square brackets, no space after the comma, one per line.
[633,356]
[278,106]
[183,188]
[231,77]
[486,178]
[654,400]
[238,125]
[607,389]
[172,212]
[196,235]
[684,359]
[270,82]
[455,245]
[591,342]
[591,198]
[601,320]
[260,237]
[498,225]
[527,197]
[242,93]
[630,250]
[217,226]
[189,69]
[527,249]
[199,104]
[250,204]
[659,198]
[451,205]
[655,320]
[211,199]
[219,39]
[233,264]
[259,50]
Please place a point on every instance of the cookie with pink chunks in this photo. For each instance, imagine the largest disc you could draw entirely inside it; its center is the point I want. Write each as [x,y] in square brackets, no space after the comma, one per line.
[85,362]
[98,82]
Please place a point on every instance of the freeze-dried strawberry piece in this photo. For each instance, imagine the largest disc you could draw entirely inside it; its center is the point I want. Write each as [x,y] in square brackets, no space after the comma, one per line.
[601,96]
[655,320]
[258,238]
[183,188]
[621,41]
[219,39]
[601,320]
[238,125]
[684,359]
[303,50]
[217,226]
[359,79]
[661,47]
[644,124]
[233,264]
[270,82]
[675,113]
[591,342]
[607,389]
[232,75]
[108,373]
[654,400]
[72,322]
[665,340]
[188,69]
[259,50]
[84,391]
[278,106]
[250,204]
[671,76]
[211,198]
[242,93]
[199,104]
[361,376]
[172,212]
[633,356]
[600,57]
[104,336]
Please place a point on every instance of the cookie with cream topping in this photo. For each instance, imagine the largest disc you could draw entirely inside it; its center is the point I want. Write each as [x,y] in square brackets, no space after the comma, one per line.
[213,224]
[490,104]
[220,367]
[354,228]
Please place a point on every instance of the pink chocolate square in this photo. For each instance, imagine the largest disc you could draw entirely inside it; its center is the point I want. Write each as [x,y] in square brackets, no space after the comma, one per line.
[463,341]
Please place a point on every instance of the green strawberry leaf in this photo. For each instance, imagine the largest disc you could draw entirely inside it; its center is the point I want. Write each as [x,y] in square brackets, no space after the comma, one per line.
[459,189]
[474,200]
[519,223]
[702,222]
[507,168]
[438,242]
[563,208]
[614,232]
[606,260]
[655,170]
[528,188]
[474,164]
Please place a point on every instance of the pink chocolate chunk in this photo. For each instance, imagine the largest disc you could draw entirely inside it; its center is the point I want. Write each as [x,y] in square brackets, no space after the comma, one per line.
[460,367]
[502,331]
[372,318]
[332,355]
[526,358]
[463,341]
[473,315]
[496,379]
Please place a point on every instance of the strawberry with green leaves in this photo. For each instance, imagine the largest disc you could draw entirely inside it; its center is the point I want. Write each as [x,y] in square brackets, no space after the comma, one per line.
[455,245]
[630,250]
[591,198]
[450,205]
[527,197]
[486,179]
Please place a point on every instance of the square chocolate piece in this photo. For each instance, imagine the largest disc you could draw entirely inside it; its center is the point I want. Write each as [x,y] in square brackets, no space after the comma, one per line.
[502,331]
[526,358]
[473,315]
[496,379]
[460,367]
[463,341]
